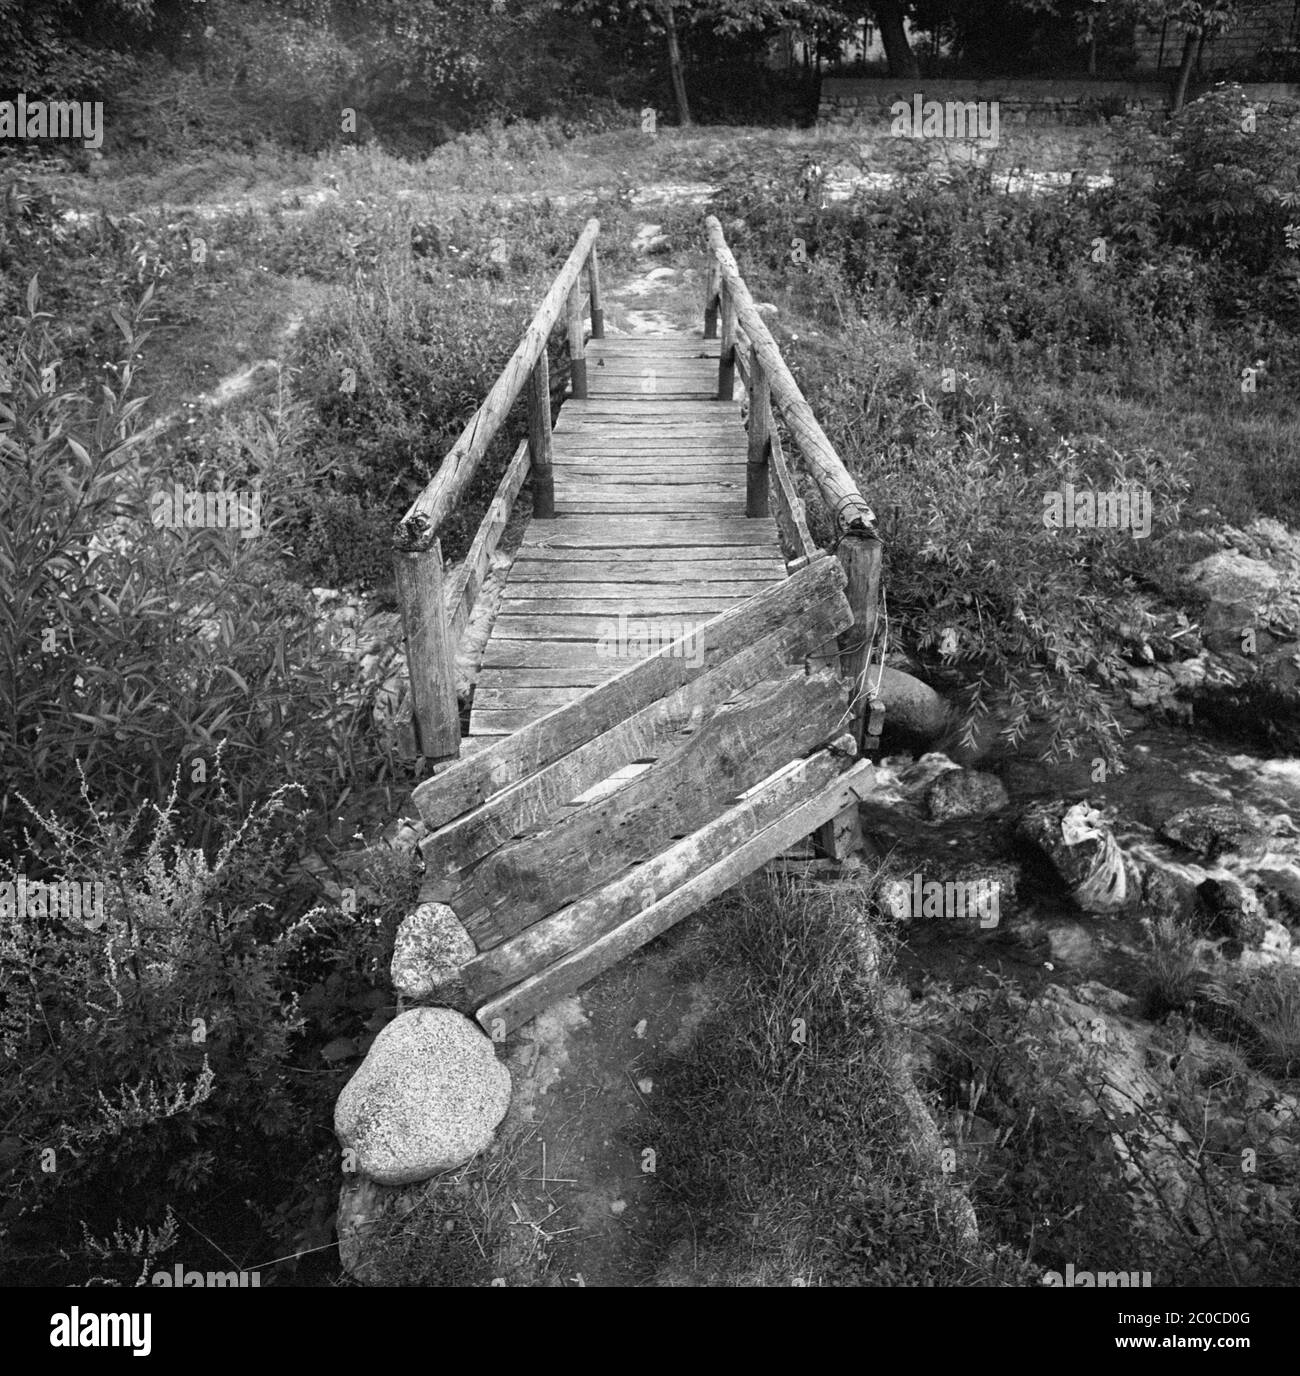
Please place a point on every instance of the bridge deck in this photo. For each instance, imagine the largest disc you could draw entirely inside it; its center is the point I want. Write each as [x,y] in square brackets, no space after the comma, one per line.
[649,527]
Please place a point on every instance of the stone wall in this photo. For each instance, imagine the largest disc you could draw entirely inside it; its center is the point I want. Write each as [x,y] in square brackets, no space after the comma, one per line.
[1246,47]
[863,104]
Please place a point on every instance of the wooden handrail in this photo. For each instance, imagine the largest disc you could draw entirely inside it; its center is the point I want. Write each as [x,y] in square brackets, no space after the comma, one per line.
[419,527]
[431,639]
[849,509]
[772,387]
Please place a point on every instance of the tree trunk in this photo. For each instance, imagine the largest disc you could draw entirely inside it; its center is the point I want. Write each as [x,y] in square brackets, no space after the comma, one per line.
[1184,70]
[675,68]
[898,52]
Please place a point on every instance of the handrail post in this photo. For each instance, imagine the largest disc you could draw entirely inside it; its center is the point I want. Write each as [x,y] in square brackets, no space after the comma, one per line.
[577,344]
[711,286]
[539,439]
[429,653]
[860,554]
[727,347]
[760,423]
[593,279]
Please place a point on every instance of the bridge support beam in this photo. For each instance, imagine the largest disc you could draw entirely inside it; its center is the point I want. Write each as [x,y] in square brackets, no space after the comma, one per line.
[712,285]
[434,709]
[727,348]
[860,554]
[593,281]
[539,439]
[577,344]
[760,444]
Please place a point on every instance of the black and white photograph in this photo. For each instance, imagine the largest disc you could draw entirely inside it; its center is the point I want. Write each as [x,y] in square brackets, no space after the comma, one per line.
[649,644]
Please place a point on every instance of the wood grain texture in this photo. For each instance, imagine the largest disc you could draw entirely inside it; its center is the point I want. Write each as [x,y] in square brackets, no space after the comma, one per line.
[532,995]
[471,780]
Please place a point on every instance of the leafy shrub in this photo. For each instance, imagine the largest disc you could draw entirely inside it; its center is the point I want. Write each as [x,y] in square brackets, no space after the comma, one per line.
[1230,186]
[132,648]
[350,544]
[174,1036]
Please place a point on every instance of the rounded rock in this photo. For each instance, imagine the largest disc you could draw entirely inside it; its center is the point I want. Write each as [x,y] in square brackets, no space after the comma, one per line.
[427,1098]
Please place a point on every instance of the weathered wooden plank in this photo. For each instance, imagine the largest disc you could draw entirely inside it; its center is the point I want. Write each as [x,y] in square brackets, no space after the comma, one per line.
[551,676]
[464,585]
[597,506]
[470,781]
[576,926]
[669,557]
[738,746]
[638,533]
[560,977]
[597,477]
[504,653]
[688,585]
[537,699]
[606,571]
[592,626]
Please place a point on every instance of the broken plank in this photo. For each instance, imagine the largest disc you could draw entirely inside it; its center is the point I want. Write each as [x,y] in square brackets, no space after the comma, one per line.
[579,924]
[470,781]
[743,742]
[537,992]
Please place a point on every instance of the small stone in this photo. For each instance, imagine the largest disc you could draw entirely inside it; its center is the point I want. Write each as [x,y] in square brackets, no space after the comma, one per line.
[964,793]
[1214,830]
[911,706]
[430,948]
[618,1206]
[1233,910]
[1230,576]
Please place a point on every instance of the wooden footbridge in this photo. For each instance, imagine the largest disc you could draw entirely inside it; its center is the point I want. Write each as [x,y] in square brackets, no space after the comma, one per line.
[678,683]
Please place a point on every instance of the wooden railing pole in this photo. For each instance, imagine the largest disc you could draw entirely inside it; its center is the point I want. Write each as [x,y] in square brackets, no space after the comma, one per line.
[593,278]
[577,344]
[714,277]
[760,423]
[429,653]
[539,439]
[445,489]
[861,557]
[727,348]
[839,490]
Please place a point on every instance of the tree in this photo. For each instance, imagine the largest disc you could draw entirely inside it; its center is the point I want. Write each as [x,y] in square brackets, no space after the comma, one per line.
[898,51]
[670,18]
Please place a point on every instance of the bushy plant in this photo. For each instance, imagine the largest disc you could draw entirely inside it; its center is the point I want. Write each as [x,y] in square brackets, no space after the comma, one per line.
[174,1046]
[133,648]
